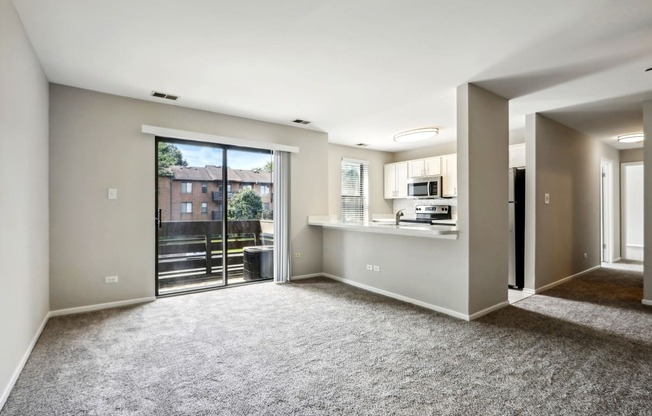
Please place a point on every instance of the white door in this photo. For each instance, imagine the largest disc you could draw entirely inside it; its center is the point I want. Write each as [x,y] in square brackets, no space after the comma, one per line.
[632,210]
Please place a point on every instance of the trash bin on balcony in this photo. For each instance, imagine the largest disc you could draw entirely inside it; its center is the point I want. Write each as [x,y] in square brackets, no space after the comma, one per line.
[258,262]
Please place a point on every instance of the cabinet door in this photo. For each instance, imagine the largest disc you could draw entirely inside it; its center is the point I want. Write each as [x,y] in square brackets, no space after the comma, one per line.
[432,166]
[416,168]
[401,179]
[449,175]
[390,181]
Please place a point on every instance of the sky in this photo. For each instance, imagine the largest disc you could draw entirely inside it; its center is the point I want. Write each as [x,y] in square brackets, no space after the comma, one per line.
[201,156]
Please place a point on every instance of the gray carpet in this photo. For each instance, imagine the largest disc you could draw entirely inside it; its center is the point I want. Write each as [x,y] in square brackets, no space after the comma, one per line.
[321,347]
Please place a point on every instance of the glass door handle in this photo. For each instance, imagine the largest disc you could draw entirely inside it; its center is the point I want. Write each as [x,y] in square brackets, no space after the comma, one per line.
[158,218]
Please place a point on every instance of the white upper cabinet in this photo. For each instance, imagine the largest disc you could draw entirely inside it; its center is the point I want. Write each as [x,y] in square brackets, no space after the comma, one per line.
[433,166]
[424,167]
[396,175]
[449,175]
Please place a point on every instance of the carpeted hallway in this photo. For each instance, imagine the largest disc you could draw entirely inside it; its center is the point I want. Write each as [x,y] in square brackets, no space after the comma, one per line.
[321,347]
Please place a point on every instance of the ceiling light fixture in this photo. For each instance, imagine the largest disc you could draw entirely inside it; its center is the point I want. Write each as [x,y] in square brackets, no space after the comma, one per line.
[631,138]
[416,135]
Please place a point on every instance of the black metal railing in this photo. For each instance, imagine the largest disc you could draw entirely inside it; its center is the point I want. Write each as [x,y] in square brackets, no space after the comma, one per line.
[193,251]
[217,196]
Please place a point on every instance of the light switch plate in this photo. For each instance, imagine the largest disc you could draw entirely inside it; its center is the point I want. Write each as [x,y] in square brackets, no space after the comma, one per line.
[546,198]
[112,193]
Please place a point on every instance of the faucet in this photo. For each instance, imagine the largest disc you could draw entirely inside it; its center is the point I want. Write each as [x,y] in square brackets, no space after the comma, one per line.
[399,214]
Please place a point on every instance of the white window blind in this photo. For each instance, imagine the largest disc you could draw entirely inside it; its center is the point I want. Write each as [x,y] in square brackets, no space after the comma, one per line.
[354,200]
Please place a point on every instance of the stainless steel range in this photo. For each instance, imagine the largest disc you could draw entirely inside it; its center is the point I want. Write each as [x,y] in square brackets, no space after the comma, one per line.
[430,213]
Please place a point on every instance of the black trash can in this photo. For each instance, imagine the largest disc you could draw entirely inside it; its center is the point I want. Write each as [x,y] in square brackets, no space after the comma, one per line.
[258,262]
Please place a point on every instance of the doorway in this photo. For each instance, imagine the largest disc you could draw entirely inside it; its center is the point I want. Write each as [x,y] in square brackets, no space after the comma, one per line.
[606,212]
[632,211]
[214,216]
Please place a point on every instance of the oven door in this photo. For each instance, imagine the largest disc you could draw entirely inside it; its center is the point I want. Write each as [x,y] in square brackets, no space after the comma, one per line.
[417,189]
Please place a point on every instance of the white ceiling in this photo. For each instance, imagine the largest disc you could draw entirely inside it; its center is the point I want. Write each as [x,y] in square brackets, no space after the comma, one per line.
[360,70]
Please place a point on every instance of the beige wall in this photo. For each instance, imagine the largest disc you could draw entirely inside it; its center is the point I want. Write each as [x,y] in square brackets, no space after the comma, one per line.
[24,201]
[423,269]
[647,204]
[96,143]
[377,161]
[565,164]
[482,155]
[631,155]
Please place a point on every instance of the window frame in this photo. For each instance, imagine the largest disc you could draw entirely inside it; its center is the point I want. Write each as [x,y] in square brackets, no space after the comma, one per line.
[186,204]
[354,190]
[186,187]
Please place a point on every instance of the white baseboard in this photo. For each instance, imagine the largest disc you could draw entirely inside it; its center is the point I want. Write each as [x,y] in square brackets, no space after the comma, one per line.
[393,295]
[488,310]
[23,361]
[564,280]
[100,306]
[528,291]
[306,276]
[646,302]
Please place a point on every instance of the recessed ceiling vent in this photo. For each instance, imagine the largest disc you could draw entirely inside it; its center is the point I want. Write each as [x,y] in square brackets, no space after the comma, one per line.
[299,121]
[362,144]
[164,95]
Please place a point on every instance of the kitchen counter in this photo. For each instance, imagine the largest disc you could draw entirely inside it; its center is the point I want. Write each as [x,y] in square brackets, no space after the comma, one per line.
[384,227]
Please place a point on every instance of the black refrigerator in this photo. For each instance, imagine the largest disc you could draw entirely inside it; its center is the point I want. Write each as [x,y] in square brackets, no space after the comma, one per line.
[516,268]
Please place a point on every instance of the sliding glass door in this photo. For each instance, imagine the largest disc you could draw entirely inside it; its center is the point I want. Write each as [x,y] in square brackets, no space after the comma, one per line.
[214,216]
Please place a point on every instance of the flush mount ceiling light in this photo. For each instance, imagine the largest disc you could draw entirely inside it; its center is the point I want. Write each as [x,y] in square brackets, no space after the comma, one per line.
[416,135]
[631,138]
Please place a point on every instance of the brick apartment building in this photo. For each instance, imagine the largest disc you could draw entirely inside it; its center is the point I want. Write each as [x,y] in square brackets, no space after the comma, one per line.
[195,193]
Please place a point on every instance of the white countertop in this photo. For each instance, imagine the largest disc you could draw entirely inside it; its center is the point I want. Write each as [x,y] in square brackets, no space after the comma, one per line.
[385,227]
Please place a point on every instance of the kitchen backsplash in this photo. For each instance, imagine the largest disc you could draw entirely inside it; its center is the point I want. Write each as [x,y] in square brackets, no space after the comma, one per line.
[409,204]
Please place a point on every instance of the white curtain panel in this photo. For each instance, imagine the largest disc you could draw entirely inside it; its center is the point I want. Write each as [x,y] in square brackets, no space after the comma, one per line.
[282,260]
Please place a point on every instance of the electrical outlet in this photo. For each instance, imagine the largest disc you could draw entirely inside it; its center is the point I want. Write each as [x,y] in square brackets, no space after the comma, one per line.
[586,256]
[376,268]
[297,255]
[370,267]
[546,198]
[112,193]
[110,279]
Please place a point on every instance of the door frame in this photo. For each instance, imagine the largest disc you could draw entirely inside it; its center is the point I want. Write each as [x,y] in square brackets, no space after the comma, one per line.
[606,211]
[225,244]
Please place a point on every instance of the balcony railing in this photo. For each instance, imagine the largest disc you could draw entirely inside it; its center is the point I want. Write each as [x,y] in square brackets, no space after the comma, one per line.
[217,196]
[192,251]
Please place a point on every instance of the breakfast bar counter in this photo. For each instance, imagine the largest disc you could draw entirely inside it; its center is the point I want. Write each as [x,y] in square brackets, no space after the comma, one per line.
[384,227]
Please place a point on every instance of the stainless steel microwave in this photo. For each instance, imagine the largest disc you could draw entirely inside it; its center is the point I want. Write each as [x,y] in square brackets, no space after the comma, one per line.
[424,187]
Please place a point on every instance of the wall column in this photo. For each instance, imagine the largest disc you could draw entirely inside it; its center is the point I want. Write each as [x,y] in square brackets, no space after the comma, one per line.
[647,203]
[482,152]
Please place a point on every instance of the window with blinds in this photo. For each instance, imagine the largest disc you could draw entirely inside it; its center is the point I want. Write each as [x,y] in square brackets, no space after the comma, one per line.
[354,200]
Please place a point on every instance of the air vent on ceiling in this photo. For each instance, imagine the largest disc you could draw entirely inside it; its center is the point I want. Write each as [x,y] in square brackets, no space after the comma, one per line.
[164,95]
[299,121]
[362,144]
